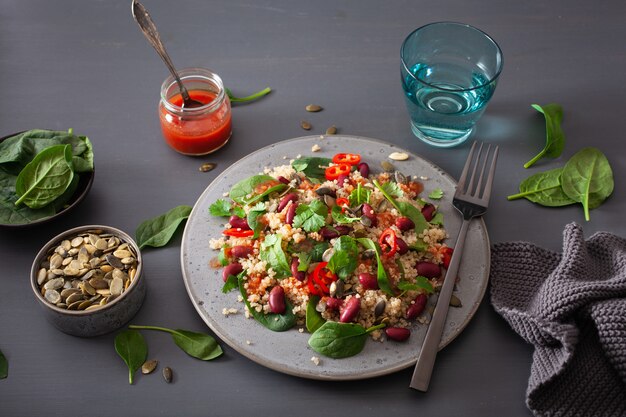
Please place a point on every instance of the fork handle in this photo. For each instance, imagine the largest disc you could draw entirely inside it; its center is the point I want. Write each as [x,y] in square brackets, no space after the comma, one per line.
[428,353]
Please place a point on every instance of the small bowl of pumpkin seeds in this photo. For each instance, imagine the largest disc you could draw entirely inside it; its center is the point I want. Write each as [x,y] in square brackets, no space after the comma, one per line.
[89,280]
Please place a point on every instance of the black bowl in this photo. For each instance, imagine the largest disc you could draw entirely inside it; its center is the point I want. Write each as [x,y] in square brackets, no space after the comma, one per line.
[85,182]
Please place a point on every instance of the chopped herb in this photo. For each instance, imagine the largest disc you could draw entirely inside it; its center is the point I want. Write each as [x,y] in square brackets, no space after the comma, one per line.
[311,217]
[436,194]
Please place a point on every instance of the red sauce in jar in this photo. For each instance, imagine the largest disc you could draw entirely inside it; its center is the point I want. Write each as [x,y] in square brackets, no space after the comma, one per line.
[196,131]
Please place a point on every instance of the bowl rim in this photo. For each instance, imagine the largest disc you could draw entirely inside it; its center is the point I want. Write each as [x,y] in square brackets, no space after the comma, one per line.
[84,186]
[63,235]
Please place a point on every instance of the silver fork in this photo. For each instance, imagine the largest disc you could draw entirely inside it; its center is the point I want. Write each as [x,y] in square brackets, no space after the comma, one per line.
[471,199]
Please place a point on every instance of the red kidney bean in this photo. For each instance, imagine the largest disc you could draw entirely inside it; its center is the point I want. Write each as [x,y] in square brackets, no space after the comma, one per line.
[417,307]
[350,310]
[285,200]
[238,222]
[368,281]
[277,300]
[343,230]
[231,269]
[291,213]
[299,275]
[342,179]
[364,169]
[241,251]
[428,211]
[334,303]
[428,269]
[328,233]
[402,246]
[368,211]
[399,334]
[283,180]
[404,223]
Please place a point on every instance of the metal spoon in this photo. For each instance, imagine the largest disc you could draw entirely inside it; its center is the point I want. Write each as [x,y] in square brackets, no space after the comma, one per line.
[149,30]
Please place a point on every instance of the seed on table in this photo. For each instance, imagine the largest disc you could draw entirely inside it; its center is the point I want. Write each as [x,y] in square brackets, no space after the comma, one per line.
[149,366]
[314,108]
[305,125]
[331,130]
[207,166]
[387,166]
[399,156]
[167,374]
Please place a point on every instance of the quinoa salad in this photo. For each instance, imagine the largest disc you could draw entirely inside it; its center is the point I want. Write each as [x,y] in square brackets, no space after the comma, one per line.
[328,246]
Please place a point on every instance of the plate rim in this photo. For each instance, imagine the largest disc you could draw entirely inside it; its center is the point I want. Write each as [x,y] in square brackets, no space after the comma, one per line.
[249,353]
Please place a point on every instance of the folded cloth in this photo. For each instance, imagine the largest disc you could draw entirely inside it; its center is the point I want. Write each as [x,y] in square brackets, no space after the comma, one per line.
[572,308]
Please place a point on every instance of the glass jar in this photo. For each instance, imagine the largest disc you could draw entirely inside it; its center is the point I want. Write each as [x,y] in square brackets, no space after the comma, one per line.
[199,130]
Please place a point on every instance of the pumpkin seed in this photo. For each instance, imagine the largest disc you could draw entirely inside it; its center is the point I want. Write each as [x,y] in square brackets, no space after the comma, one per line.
[167,374]
[331,130]
[455,301]
[399,156]
[52,296]
[207,166]
[314,108]
[387,166]
[149,366]
[305,125]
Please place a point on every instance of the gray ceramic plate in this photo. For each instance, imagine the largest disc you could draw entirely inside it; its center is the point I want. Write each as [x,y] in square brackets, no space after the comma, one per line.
[288,351]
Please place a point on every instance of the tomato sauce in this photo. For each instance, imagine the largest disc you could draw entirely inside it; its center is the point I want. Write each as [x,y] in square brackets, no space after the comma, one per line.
[198,131]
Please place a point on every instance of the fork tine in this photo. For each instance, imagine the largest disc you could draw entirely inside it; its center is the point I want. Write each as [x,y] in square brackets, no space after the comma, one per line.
[461,184]
[492,171]
[478,188]
[471,190]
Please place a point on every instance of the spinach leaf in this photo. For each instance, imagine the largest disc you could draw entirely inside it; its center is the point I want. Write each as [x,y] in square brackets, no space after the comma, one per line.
[544,188]
[587,178]
[359,195]
[82,154]
[312,167]
[46,177]
[437,219]
[555,139]
[158,231]
[419,246]
[4,366]
[253,219]
[314,319]
[132,348]
[341,218]
[405,208]
[311,217]
[252,189]
[345,257]
[221,208]
[274,322]
[381,275]
[421,283]
[436,194]
[340,340]
[318,250]
[61,201]
[272,253]
[198,345]
[12,214]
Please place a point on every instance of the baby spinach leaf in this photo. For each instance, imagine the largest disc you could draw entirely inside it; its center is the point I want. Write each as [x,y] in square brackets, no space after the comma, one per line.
[158,231]
[4,366]
[12,214]
[198,345]
[318,250]
[132,348]
[314,319]
[312,167]
[555,139]
[544,188]
[311,217]
[46,177]
[421,283]
[82,153]
[341,218]
[274,322]
[340,340]
[381,275]
[437,219]
[588,178]
[252,189]
[345,257]
[272,253]
[253,219]
[436,194]
[359,195]
[221,208]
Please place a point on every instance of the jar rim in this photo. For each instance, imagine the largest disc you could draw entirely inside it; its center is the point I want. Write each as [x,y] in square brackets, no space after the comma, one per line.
[193,74]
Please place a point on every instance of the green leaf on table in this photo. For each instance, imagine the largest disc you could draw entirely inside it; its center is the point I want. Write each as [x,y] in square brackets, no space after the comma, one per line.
[587,178]
[544,188]
[254,188]
[4,366]
[46,177]
[314,319]
[340,340]
[249,98]
[555,138]
[312,167]
[345,257]
[272,252]
[272,321]
[436,194]
[311,217]
[132,348]
[158,231]
[198,345]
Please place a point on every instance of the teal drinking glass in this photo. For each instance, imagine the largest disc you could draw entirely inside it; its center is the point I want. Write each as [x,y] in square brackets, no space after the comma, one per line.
[449,73]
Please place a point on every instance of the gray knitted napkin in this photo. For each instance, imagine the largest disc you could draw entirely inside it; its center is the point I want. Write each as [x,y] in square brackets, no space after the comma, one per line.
[572,308]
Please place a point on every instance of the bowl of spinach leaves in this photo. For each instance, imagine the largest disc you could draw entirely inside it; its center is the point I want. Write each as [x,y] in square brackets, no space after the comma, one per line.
[43,174]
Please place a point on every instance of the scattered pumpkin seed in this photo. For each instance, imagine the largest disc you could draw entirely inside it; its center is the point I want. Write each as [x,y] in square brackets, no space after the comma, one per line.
[305,125]
[331,130]
[167,374]
[314,108]
[207,166]
[387,166]
[455,301]
[399,156]
[149,366]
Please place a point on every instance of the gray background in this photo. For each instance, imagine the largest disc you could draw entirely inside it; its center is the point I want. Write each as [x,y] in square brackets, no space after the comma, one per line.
[84,64]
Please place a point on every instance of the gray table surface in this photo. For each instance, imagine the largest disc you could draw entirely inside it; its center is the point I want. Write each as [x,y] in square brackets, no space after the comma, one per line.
[85,65]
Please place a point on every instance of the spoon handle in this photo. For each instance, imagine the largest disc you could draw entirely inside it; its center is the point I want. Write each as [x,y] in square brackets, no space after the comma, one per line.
[149,30]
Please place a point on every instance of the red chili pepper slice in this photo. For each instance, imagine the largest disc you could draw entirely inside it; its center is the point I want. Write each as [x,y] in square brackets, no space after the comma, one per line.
[447,255]
[312,289]
[238,232]
[333,172]
[388,242]
[320,279]
[347,158]
[343,203]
